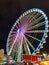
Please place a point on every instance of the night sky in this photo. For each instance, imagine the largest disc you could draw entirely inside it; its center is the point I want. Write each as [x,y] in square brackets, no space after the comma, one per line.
[10,10]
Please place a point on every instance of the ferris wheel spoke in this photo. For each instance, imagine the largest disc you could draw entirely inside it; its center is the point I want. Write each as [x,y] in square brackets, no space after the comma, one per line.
[36,21]
[11,39]
[27,47]
[20,50]
[12,46]
[29,43]
[37,15]
[16,27]
[33,18]
[21,45]
[13,35]
[39,24]
[30,16]
[36,25]
[13,32]
[40,18]
[33,37]
[35,31]
[10,49]
[27,18]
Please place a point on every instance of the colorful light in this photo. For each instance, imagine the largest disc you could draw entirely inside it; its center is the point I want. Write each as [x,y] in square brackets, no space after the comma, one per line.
[27,34]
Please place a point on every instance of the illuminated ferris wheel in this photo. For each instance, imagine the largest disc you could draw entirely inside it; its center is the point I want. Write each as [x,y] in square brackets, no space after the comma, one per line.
[27,34]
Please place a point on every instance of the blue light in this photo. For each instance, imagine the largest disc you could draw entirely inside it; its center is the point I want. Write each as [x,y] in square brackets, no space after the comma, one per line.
[19,30]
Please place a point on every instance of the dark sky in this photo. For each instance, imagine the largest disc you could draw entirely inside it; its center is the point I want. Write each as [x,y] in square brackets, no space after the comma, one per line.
[10,10]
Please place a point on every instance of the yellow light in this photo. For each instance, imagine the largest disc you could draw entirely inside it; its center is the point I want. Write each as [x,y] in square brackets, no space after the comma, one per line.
[44,63]
[45,55]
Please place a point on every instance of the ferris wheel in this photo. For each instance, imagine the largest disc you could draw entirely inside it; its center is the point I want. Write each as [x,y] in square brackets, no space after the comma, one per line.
[28,34]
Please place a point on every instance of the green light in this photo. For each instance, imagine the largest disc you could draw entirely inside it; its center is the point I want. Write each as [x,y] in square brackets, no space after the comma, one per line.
[4,59]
